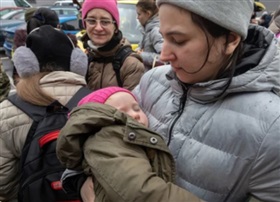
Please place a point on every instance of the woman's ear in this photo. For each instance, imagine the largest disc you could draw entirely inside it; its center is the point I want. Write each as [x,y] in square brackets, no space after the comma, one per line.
[149,13]
[233,41]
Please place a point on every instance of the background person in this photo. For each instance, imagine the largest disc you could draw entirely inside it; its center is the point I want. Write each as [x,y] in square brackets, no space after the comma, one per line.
[258,7]
[265,19]
[47,17]
[42,16]
[103,40]
[7,67]
[50,68]
[275,23]
[151,44]
[20,34]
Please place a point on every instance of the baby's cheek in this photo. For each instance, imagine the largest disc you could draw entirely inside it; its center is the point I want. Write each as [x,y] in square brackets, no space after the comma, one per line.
[145,120]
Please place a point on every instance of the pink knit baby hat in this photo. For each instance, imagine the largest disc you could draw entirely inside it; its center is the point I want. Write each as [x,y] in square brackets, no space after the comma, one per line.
[108,5]
[101,95]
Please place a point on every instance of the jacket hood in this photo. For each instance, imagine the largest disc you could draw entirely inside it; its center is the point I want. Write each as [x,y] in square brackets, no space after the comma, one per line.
[87,120]
[259,69]
[152,22]
[83,121]
[94,116]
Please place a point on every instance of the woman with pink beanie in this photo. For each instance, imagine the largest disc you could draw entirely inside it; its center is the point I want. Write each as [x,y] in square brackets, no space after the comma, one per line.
[103,40]
[135,159]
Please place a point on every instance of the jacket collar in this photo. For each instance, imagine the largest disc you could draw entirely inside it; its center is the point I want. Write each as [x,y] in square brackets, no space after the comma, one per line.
[63,77]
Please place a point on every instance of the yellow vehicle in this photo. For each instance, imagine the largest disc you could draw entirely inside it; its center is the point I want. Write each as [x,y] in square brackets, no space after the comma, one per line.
[259,6]
[129,24]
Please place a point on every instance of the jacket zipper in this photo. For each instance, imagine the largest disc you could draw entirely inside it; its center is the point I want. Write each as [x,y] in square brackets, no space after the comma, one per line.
[182,104]
[102,72]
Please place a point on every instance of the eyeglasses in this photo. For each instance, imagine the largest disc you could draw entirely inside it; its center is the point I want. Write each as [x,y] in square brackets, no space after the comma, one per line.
[93,22]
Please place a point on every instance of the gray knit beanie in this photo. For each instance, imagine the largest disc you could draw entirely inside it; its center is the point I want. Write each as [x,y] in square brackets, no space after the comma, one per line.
[233,15]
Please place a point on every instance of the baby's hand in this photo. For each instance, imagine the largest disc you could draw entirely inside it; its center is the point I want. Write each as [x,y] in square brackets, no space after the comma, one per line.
[87,190]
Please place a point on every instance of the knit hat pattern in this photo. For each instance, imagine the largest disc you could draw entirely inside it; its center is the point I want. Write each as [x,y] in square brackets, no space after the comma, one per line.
[102,95]
[233,15]
[108,5]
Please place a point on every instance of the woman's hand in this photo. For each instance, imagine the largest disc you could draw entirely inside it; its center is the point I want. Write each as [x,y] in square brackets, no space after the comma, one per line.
[87,191]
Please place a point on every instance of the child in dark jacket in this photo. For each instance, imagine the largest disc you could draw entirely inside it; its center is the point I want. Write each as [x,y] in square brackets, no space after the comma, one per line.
[108,135]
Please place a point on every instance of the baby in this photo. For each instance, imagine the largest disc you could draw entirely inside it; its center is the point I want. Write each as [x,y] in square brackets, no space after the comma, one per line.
[107,137]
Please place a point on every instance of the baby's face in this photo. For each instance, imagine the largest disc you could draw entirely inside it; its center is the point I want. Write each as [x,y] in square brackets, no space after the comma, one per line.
[126,103]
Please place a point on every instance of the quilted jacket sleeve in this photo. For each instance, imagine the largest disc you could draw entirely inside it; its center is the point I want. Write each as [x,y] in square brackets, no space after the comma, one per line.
[265,178]
[14,126]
